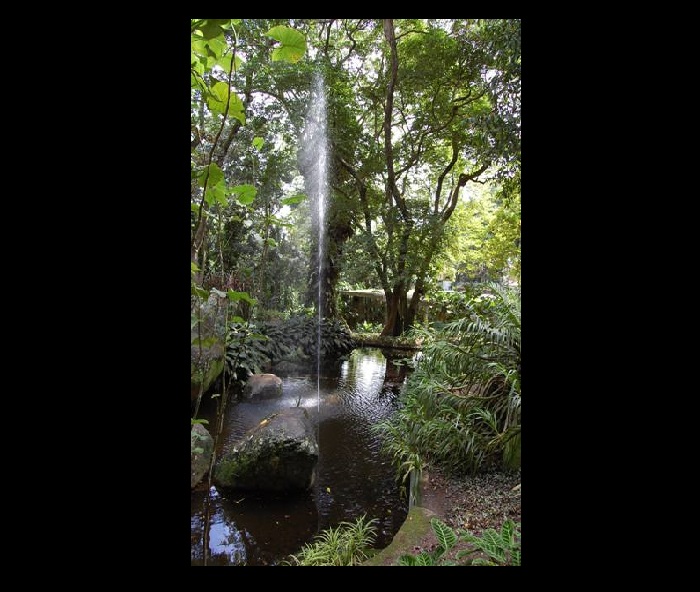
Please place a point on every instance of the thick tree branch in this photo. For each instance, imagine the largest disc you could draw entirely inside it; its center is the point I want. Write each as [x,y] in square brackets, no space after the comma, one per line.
[392,192]
[445,172]
[463,179]
[348,32]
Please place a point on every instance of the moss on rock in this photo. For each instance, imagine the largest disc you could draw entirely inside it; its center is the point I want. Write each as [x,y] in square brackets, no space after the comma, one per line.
[414,532]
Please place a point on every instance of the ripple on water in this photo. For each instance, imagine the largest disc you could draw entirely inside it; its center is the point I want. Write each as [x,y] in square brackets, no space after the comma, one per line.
[353,478]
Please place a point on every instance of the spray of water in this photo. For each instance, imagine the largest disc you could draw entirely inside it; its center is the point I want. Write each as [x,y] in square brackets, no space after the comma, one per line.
[316,174]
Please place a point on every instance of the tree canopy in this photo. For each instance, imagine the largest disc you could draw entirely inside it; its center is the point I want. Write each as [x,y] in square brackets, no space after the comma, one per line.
[424,142]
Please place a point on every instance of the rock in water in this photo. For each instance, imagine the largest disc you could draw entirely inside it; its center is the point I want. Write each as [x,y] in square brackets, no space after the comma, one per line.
[279,454]
[263,386]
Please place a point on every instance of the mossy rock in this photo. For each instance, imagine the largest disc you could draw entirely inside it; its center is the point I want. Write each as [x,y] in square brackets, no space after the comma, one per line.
[415,532]
[204,380]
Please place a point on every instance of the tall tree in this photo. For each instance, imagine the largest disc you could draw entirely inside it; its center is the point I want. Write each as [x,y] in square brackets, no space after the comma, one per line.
[417,110]
[439,108]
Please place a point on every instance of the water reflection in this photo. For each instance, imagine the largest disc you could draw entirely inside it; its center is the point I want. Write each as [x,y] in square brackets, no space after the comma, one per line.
[354,479]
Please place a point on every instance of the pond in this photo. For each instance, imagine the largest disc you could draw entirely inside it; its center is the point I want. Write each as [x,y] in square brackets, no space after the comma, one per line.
[353,477]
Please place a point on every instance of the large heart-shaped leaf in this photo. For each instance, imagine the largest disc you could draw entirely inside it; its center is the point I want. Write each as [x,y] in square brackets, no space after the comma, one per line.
[293,44]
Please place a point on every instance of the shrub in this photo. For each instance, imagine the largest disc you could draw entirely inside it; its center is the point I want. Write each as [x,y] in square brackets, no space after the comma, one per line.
[348,544]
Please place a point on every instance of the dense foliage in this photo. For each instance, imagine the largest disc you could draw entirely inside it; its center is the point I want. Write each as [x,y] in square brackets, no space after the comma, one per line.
[424,137]
[424,186]
[254,348]
[461,406]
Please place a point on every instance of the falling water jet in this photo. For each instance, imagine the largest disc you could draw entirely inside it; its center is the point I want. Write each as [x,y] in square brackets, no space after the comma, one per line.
[315,159]
[315,168]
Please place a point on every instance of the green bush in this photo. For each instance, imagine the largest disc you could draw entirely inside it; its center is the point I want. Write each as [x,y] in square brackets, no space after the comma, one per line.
[461,406]
[348,544]
[247,351]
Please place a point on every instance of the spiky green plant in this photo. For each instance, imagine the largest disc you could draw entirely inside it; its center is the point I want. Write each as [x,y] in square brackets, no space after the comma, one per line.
[461,406]
[348,544]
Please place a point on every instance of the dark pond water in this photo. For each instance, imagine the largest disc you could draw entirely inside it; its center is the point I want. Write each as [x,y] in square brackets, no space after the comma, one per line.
[353,479]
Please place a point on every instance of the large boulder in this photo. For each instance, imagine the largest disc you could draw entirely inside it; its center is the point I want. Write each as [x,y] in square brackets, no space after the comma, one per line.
[279,454]
[263,386]
[201,449]
[207,350]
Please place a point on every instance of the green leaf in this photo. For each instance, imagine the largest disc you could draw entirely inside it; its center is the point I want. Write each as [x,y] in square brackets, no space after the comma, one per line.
[213,173]
[258,142]
[491,538]
[211,28]
[193,266]
[216,194]
[236,108]
[198,46]
[241,296]
[407,560]
[270,242]
[215,48]
[424,559]
[198,450]
[218,94]
[445,535]
[245,194]
[294,199]
[194,421]
[480,561]
[201,292]
[507,531]
[515,557]
[293,44]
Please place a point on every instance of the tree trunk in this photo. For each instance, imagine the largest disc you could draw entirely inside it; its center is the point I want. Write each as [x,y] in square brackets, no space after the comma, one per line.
[395,312]
[324,300]
[412,309]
